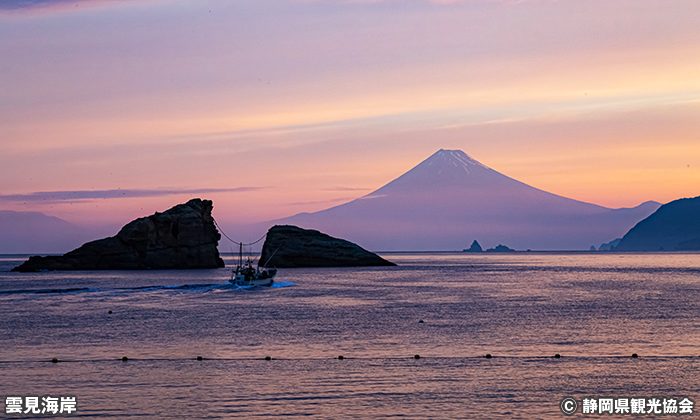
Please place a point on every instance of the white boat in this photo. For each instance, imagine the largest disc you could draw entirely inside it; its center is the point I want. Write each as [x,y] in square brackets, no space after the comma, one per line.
[247,275]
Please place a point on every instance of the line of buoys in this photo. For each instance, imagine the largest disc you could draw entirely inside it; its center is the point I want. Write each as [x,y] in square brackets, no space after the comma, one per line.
[416,356]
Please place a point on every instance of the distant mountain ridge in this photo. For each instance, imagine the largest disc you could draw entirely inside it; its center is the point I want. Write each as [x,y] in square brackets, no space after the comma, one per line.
[444,203]
[184,236]
[34,232]
[675,226]
[450,199]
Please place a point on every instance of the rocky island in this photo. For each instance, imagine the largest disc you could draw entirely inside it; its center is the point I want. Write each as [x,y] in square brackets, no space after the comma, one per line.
[184,236]
[474,248]
[500,248]
[290,246]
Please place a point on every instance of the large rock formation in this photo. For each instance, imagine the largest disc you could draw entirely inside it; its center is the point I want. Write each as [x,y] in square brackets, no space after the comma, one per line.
[183,237]
[474,248]
[290,246]
[673,227]
[500,248]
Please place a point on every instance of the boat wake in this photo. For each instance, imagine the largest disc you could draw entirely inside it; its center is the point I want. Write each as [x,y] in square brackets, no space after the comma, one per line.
[203,288]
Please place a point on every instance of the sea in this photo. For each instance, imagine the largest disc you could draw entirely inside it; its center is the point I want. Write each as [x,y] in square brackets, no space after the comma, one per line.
[439,336]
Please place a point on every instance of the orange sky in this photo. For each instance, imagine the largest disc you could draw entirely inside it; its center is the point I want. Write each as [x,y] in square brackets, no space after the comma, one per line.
[307,104]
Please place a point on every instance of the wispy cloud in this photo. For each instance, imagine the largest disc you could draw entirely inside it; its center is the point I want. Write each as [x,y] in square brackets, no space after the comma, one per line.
[26,5]
[341,188]
[331,201]
[19,6]
[398,1]
[57,196]
[34,4]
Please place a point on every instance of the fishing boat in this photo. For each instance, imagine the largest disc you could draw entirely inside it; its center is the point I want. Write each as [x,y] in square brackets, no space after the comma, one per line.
[247,275]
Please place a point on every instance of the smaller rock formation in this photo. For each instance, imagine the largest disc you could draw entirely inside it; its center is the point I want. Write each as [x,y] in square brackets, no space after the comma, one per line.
[673,227]
[290,246]
[183,237]
[500,248]
[609,246]
[475,247]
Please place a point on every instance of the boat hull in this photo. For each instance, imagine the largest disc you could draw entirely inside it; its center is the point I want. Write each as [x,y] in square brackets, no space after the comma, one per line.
[241,280]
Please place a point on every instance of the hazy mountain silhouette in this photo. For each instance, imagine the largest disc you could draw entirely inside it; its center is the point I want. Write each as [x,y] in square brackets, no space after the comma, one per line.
[34,232]
[450,199]
[673,227]
[609,246]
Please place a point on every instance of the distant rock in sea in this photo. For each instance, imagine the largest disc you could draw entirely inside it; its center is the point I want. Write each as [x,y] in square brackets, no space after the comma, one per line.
[475,247]
[609,246]
[290,246]
[183,237]
[673,227]
[500,248]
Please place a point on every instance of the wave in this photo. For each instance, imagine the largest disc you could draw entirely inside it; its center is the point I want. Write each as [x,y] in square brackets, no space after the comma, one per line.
[279,284]
[184,287]
[46,291]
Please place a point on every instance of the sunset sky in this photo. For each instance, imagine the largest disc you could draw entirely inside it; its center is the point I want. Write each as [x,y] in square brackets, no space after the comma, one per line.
[115,109]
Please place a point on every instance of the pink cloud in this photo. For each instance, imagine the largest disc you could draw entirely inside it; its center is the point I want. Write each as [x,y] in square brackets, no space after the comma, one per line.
[33,6]
[59,196]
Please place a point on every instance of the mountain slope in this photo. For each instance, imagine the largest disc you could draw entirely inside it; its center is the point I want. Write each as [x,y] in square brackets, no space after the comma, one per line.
[34,232]
[673,227]
[450,199]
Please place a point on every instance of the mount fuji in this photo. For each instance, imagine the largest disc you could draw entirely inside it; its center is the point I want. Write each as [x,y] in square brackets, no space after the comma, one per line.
[450,199]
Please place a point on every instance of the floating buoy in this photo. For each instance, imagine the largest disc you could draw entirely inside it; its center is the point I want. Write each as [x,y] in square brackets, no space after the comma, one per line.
[417,356]
[556,356]
[340,357]
[488,355]
[634,355]
[420,321]
[109,312]
[54,360]
[268,358]
[124,359]
[199,358]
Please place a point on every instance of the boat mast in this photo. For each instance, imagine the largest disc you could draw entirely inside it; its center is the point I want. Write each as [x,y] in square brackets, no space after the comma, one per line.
[240,254]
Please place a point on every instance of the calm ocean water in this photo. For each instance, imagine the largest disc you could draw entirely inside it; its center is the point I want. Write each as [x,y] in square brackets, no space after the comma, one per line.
[593,309]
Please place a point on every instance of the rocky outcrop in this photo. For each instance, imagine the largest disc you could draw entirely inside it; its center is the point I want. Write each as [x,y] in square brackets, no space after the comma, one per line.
[291,246]
[609,246]
[673,227]
[183,237]
[474,248]
[500,248]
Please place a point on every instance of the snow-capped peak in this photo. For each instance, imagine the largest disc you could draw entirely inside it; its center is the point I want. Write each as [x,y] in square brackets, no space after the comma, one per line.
[456,158]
